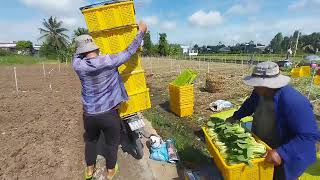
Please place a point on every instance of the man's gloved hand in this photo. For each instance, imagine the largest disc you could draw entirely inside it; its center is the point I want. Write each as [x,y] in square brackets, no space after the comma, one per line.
[143,27]
[273,157]
[231,120]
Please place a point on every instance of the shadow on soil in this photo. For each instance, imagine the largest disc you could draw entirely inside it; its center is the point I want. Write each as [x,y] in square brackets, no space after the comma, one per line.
[165,106]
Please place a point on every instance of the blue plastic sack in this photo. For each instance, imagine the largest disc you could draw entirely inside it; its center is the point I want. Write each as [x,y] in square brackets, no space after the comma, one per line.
[160,153]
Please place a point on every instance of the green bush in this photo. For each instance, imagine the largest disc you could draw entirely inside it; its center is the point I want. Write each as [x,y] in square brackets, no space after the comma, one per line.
[5,53]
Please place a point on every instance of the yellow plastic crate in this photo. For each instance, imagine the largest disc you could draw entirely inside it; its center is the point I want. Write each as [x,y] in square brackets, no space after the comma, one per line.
[134,64]
[228,113]
[138,101]
[134,81]
[181,94]
[182,111]
[313,172]
[305,71]
[115,40]
[295,72]
[316,80]
[107,16]
[261,170]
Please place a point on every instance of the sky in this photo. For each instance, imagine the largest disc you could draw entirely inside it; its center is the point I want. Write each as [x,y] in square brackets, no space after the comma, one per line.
[188,22]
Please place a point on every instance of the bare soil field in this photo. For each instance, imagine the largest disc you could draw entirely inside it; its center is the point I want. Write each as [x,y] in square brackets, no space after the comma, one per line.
[41,134]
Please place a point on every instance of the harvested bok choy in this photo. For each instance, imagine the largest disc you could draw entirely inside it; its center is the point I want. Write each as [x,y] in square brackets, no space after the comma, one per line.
[234,143]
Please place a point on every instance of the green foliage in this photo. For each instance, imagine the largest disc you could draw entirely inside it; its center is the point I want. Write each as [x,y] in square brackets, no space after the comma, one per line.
[48,51]
[163,47]
[5,53]
[66,53]
[18,59]
[24,45]
[80,31]
[286,43]
[276,43]
[175,49]
[147,44]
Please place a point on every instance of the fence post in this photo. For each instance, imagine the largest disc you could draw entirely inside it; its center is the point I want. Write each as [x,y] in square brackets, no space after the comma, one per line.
[170,65]
[15,78]
[242,66]
[151,66]
[44,70]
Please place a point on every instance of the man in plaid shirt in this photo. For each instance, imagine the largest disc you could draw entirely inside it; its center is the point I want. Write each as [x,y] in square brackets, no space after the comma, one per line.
[102,91]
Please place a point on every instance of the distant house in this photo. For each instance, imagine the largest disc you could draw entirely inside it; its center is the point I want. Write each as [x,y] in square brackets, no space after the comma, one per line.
[185,49]
[8,46]
[225,49]
[11,47]
[260,48]
[188,51]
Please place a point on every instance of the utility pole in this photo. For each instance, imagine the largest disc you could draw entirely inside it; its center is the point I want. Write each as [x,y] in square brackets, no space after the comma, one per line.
[296,46]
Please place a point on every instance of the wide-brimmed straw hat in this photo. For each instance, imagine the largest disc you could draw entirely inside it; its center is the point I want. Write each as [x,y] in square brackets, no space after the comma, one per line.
[84,44]
[267,74]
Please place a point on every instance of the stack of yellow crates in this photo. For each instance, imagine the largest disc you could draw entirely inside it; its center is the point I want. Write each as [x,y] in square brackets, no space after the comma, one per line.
[181,99]
[303,71]
[113,28]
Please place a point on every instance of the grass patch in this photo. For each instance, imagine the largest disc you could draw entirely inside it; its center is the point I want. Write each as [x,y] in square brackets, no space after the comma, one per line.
[189,148]
[21,59]
[303,85]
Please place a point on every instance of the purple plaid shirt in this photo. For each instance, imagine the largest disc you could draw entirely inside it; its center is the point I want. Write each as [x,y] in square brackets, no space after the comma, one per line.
[102,86]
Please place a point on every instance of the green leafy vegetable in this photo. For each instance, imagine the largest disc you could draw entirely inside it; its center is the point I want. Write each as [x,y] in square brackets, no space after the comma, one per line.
[234,143]
[185,78]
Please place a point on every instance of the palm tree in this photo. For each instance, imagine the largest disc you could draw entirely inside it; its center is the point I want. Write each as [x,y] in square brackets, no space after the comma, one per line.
[80,31]
[54,33]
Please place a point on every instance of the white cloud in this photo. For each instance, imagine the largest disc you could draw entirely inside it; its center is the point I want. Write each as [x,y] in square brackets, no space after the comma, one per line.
[55,6]
[151,20]
[297,5]
[233,33]
[247,7]
[300,4]
[203,19]
[168,25]
[65,10]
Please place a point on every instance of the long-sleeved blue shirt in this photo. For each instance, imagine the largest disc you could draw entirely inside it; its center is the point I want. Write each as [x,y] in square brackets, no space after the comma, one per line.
[102,86]
[296,125]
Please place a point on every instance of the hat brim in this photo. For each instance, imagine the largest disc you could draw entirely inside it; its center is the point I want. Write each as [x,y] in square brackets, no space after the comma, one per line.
[273,83]
[87,48]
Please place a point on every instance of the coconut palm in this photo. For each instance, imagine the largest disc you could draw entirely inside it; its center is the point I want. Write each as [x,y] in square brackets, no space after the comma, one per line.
[54,33]
[80,31]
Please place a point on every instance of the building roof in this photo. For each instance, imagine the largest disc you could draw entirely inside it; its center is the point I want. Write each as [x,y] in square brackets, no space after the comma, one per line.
[7,45]
[13,45]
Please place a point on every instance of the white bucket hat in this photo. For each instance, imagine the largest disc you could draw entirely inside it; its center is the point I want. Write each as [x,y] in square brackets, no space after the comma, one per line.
[84,44]
[267,74]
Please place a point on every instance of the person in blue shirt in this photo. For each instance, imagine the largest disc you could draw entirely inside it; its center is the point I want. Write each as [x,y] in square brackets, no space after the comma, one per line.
[283,118]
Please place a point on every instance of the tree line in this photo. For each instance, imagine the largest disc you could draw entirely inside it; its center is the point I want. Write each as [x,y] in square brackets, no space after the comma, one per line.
[163,48]
[308,43]
[58,45]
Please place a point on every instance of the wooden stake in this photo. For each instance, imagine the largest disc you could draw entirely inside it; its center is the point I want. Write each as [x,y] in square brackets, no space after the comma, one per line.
[15,77]
[44,70]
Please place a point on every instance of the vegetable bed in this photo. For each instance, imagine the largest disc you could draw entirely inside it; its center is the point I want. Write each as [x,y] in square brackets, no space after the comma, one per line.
[237,153]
